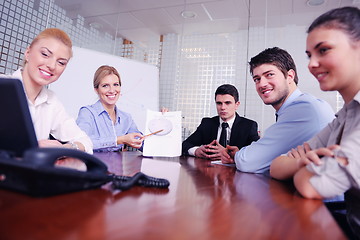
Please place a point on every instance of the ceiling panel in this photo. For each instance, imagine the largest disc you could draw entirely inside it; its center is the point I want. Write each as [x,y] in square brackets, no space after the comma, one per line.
[227,9]
[154,17]
[218,26]
[135,5]
[137,20]
[122,21]
[175,13]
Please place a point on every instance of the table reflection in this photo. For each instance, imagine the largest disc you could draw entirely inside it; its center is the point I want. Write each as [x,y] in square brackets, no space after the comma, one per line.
[120,163]
[66,217]
[264,201]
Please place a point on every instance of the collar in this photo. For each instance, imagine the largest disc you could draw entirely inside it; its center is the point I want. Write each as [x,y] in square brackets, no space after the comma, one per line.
[357,97]
[99,108]
[17,74]
[230,121]
[351,105]
[290,99]
[43,96]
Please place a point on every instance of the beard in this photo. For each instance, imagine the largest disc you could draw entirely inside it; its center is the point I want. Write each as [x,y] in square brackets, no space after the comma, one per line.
[280,99]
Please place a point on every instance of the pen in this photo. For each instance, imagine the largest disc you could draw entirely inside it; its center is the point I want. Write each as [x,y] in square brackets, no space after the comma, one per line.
[153,133]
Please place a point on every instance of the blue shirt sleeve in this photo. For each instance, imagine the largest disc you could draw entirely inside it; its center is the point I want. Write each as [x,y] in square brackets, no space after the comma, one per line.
[299,122]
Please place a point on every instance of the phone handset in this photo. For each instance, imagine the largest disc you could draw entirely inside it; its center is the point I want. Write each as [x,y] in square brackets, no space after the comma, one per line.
[46,157]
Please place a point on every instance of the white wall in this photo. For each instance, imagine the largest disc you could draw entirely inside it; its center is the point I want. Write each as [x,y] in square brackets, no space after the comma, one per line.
[139,90]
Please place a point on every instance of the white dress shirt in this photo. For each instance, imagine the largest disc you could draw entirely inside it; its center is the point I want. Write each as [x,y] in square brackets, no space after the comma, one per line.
[228,130]
[49,117]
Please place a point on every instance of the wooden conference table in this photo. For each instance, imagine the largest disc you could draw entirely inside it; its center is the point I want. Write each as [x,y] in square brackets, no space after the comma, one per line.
[204,201]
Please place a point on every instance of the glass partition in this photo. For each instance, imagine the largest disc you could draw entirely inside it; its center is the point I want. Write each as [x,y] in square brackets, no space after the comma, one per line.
[195,46]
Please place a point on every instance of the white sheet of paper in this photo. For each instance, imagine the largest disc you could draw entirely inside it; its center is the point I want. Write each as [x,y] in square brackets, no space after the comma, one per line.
[224,164]
[166,143]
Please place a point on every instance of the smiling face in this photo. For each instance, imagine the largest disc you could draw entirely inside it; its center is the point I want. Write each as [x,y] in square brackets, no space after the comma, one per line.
[334,61]
[45,62]
[271,84]
[226,106]
[109,90]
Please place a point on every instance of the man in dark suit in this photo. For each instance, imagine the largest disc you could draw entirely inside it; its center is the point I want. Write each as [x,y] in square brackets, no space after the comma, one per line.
[228,128]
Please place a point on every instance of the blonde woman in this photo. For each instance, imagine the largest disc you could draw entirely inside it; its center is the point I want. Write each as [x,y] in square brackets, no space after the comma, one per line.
[44,61]
[108,127]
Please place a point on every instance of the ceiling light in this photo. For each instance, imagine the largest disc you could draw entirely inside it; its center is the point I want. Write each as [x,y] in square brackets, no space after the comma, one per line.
[188,14]
[314,3]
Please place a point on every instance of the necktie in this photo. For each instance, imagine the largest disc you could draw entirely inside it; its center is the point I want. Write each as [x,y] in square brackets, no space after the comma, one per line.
[223,138]
[276,117]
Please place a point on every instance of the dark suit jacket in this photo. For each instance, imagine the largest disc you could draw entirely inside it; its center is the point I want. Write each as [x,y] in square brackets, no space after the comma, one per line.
[243,132]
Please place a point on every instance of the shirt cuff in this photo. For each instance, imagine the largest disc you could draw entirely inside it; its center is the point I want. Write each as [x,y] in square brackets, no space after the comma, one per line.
[192,150]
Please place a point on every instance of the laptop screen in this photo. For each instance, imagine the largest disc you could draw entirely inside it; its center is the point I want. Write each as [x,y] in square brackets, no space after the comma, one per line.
[17,132]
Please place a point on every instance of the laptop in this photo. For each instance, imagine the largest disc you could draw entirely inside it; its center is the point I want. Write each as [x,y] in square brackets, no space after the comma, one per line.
[17,133]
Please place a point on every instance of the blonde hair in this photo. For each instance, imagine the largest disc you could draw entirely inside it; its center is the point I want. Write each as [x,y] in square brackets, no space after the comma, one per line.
[55,33]
[104,71]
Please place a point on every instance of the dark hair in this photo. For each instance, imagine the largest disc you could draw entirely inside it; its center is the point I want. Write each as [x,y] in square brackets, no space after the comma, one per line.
[346,19]
[227,89]
[277,57]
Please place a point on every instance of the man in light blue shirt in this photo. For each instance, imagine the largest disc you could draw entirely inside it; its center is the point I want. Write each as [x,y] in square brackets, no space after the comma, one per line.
[299,115]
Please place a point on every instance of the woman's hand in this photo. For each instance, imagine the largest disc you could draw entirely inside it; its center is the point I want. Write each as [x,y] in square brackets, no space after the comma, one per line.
[316,154]
[73,163]
[134,140]
[299,154]
[56,144]
[164,110]
[49,143]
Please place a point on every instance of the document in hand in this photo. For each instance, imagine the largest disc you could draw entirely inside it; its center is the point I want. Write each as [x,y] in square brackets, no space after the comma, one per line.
[162,134]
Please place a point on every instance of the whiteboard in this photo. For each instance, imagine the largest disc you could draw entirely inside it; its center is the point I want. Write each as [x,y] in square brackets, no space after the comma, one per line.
[139,84]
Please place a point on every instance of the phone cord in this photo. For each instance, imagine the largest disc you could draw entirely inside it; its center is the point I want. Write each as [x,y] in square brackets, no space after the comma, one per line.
[139,179]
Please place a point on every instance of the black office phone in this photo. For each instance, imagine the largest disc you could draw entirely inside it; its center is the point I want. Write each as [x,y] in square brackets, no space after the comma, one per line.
[37,175]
